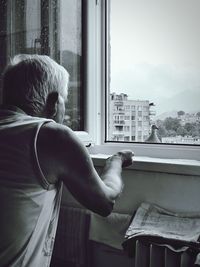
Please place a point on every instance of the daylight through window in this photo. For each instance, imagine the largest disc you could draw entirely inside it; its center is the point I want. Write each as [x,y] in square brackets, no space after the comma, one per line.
[153,64]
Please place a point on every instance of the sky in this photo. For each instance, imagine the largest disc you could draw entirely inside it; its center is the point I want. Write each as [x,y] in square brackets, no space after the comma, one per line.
[155,52]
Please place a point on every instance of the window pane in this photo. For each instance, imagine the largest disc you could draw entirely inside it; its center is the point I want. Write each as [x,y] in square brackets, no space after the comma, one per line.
[51,27]
[70,58]
[154,71]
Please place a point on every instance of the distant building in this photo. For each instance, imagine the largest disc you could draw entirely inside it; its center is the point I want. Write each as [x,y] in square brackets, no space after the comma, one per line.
[181,140]
[129,120]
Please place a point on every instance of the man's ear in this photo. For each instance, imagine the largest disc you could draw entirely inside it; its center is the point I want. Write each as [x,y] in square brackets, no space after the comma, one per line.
[51,105]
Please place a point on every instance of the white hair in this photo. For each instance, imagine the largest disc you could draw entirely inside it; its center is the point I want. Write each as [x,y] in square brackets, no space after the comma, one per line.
[29,79]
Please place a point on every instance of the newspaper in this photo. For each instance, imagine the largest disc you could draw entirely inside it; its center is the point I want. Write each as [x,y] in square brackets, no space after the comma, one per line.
[153,221]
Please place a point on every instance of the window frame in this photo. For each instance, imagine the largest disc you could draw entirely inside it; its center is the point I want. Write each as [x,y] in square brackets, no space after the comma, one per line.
[96,82]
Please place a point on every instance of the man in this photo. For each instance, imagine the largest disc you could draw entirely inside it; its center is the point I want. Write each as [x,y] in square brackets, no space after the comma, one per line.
[37,155]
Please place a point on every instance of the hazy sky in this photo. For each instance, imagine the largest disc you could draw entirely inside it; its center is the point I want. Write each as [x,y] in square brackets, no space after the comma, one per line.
[155,52]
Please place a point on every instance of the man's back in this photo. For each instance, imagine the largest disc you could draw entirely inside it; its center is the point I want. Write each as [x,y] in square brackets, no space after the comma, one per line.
[29,206]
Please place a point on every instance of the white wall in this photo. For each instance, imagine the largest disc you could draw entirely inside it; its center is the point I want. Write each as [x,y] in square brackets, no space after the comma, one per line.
[176,192]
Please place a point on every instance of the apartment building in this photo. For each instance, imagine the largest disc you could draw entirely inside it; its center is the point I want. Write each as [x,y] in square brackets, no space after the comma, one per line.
[129,120]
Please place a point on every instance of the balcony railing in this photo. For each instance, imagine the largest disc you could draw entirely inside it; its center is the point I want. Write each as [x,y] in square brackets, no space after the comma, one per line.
[119,122]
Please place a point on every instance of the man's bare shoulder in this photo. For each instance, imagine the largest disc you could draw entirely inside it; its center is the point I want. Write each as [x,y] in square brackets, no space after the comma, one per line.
[54,127]
[59,145]
[58,136]
[56,131]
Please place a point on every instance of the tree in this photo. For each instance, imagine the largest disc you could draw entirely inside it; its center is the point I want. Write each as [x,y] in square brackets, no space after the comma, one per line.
[195,133]
[171,133]
[193,129]
[180,113]
[189,127]
[172,127]
[182,131]
[172,124]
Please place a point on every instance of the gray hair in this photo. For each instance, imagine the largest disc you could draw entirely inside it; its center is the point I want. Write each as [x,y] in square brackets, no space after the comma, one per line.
[29,79]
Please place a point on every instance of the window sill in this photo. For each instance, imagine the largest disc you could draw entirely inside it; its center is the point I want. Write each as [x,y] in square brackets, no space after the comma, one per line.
[188,165]
[149,164]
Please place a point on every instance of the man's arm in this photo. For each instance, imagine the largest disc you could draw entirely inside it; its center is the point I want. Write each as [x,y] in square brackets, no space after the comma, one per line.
[112,171]
[62,156]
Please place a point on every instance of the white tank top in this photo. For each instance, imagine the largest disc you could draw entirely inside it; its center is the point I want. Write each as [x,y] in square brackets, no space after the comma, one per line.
[29,205]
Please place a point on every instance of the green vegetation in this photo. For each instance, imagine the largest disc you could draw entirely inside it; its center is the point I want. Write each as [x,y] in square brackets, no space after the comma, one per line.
[175,127]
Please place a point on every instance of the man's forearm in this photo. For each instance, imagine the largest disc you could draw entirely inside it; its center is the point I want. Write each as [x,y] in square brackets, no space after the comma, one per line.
[111,176]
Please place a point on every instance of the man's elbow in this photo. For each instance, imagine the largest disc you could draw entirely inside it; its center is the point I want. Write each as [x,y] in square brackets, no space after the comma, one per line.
[106,209]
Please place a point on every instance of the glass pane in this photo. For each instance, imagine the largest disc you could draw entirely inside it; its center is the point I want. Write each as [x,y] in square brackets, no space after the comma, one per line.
[51,27]
[154,71]
[70,58]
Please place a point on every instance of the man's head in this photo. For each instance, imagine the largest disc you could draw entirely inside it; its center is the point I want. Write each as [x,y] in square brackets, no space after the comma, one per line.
[37,85]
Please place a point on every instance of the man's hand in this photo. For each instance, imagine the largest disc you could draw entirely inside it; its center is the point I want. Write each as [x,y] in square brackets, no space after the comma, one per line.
[126,157]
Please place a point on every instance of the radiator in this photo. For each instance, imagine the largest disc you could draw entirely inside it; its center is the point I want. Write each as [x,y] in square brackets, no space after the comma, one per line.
[150,255]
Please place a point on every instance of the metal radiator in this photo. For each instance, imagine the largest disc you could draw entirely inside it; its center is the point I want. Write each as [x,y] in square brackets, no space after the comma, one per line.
[150,255]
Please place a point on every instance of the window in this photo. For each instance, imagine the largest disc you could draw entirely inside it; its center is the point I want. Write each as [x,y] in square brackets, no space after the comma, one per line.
[98,101]
[126,138]
[133,138]
[126,128]
[133,107]
[127,107]
[153,60]
[132,118]
[50,27]
[139,113]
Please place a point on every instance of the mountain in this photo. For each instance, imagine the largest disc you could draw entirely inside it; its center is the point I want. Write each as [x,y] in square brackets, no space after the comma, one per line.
[187,101]
[164,115]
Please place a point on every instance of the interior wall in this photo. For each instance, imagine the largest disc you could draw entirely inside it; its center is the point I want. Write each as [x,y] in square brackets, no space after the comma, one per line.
[175,192]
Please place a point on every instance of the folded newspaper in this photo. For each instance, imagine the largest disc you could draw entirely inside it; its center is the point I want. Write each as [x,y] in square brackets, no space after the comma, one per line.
[155,224]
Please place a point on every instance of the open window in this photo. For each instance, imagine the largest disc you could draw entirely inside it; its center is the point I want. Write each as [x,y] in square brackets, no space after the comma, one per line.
[153,71]
[122,61]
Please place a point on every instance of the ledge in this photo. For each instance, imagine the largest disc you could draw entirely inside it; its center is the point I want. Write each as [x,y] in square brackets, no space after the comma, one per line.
[172,166]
